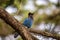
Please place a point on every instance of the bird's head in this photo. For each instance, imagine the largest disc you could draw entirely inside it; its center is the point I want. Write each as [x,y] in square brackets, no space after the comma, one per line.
[30,15]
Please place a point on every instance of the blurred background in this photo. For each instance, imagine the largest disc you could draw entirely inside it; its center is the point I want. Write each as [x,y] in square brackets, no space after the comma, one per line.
[46,16]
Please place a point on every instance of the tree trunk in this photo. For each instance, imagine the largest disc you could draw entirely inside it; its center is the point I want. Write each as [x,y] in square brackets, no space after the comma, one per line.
[16,25]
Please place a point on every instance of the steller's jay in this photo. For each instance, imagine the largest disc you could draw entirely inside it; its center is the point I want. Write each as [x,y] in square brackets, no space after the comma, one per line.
[27,22]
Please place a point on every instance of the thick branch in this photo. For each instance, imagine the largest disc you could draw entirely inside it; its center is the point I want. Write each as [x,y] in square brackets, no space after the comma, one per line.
[16,25]
[44,33]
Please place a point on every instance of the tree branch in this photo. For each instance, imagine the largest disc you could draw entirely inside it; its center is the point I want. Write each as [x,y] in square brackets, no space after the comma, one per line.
[16,25]
[44,33]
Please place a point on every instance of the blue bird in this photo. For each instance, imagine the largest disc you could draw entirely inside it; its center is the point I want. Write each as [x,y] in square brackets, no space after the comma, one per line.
[27,22]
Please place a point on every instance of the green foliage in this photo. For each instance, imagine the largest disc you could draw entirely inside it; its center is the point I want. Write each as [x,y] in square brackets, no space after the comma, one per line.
[58,4]
[20,38]
[5,29]
[5,3]
[38,21]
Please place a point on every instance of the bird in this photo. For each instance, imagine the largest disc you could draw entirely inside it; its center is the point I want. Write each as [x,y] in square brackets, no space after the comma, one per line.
[27,22]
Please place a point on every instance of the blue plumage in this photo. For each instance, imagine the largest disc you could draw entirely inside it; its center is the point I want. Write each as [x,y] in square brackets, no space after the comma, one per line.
[28,22]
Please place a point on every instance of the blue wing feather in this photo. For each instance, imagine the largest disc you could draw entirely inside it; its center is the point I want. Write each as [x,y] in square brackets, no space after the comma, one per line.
[28,22]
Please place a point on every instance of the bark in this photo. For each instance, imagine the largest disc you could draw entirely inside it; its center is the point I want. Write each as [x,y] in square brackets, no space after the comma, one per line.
[44,33]
[16,25]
